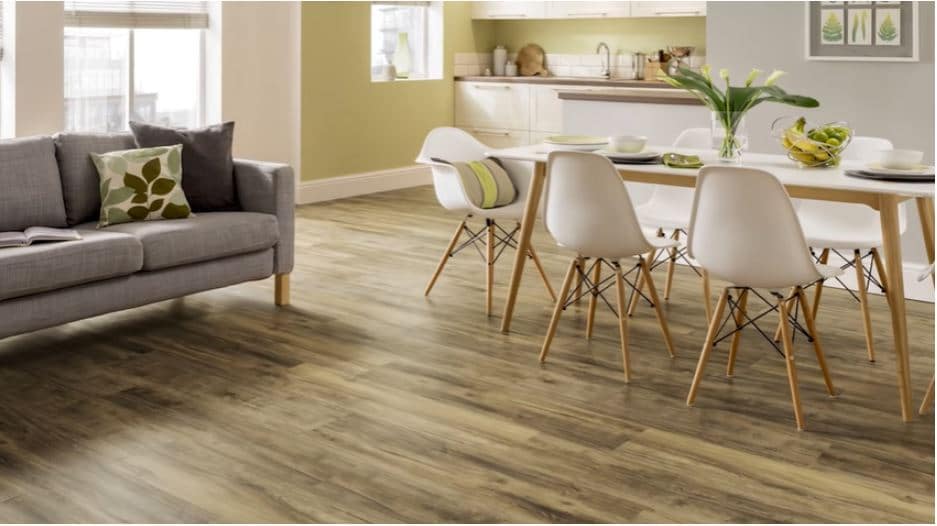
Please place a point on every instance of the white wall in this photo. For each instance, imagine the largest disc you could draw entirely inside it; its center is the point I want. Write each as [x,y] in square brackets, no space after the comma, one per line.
[886,99]
[33,89]
[259,75]
[260,79]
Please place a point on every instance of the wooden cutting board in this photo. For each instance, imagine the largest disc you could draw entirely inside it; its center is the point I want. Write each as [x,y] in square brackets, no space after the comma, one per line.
[530,61]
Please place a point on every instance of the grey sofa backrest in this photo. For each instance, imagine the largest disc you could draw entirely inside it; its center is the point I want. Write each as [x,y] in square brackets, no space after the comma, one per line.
[30,188]
[80,181]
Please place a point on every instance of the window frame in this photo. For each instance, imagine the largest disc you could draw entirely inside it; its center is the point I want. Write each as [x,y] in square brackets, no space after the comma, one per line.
[432,26]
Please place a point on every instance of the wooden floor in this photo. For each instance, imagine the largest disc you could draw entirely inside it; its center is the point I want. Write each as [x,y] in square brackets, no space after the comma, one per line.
[363,401]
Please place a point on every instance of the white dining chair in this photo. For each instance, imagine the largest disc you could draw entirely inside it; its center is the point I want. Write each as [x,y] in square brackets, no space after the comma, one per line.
[444,145]
[588,211]
[667,213]
[744,230]
[853,233]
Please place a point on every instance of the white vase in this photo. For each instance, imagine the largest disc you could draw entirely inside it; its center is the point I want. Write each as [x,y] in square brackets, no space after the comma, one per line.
[402,56]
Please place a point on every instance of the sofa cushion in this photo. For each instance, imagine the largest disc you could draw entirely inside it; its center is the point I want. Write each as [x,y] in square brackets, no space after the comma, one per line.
[47,266]
[207,161]
[79,177]
[206,236]
[30,188]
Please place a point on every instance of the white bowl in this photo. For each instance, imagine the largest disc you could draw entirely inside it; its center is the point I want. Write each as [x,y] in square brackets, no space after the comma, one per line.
[627,143]
[901,159]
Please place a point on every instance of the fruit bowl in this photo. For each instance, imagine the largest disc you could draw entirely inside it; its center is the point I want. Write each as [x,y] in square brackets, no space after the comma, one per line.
[812,145]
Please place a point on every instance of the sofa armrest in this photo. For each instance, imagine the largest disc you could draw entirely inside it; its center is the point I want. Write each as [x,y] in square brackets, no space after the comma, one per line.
[269,188]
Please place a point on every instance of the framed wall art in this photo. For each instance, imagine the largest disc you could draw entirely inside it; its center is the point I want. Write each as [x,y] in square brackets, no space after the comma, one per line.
[868,30]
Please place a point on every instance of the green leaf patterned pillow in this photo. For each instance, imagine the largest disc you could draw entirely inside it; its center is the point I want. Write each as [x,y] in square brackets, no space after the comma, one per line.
[141,185]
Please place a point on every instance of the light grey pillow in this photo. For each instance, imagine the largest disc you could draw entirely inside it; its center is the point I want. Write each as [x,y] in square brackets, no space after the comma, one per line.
[207,161]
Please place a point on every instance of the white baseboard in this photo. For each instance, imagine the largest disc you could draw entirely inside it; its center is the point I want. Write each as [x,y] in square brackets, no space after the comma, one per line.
[353,185]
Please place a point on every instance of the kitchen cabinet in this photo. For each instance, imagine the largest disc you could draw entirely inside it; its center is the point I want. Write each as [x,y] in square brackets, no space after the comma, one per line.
[546,109]
[658,9]
[588,9]
[508,10]
[492,105]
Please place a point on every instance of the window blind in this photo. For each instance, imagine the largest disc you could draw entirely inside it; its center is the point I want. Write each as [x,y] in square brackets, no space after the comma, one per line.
[136,14]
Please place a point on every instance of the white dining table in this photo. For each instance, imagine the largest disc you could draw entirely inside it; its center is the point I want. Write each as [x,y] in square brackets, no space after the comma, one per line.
[826,184]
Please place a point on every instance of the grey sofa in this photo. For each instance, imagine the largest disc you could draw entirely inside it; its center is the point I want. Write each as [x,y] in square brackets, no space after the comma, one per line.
[50,181]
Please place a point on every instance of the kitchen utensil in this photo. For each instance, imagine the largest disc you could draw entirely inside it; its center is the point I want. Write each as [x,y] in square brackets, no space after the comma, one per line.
[621,157]
[638,62]
[510,69]
[627,143]
[575,142]
[918,169]
[498,57]
[530,61]
[901,159]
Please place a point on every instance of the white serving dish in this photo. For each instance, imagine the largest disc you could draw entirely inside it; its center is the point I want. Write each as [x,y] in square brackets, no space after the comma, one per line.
[901,159]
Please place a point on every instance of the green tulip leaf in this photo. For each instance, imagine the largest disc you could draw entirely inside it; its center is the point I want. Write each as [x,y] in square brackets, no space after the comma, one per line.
[117,196]
[156,205]
[151,169]
[163,186]
[174,211]
[116,215]
[138,184]
[138,213]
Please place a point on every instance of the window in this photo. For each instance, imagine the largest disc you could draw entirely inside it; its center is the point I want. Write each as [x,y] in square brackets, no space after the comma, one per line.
[407,35]
[127,60]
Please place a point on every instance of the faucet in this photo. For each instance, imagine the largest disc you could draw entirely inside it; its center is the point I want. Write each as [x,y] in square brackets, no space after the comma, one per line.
[607,66]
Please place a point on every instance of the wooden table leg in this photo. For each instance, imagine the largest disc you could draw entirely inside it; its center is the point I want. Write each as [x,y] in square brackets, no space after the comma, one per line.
[891,237]
[925,210]
[523,241]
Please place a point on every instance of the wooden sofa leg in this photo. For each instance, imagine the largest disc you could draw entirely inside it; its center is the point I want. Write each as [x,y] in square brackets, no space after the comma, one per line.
[282,289]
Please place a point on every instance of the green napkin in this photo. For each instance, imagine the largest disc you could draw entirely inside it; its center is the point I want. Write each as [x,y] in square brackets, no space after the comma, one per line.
[676,160]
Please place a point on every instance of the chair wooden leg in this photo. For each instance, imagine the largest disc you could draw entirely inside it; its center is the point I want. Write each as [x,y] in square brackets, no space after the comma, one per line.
[489,265]
[880,269]
[864,305]
[707,294]
[639,285]
[777,330]
[783,310]
[707,346]
[928,398]
[558,309]
[593,298]
[622,322]
[737,337]
[670,267]
[281,290]
[581,265]
[815,335]
[543,274]
[445,258]
[824,259]
[658,309]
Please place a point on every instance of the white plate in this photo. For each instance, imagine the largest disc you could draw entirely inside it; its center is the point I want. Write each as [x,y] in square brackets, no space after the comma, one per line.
[585,143]
[646,154]
[920,169]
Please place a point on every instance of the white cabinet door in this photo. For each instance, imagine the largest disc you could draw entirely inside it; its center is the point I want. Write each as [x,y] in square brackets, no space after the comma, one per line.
[498,105]
[498,138]
[546,108]
[655,9]
[588,9]
[508,10]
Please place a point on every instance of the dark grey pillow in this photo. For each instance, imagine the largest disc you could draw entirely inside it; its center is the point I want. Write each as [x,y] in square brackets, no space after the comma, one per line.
[207,161]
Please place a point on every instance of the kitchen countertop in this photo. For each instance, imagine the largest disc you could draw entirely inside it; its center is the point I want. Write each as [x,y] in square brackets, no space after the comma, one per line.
[572,81]
[645,95]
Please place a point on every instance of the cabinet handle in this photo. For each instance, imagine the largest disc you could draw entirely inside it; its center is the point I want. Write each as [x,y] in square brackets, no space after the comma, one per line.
[677,12]
[482,86]
[586,14]
[499,134]
[505,15]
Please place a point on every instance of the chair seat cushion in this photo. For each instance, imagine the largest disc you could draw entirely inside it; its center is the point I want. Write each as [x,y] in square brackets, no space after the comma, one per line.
[48,266]
[202,237]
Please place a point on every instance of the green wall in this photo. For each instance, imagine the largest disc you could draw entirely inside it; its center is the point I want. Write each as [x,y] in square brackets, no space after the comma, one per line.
[621,34]
[352,125]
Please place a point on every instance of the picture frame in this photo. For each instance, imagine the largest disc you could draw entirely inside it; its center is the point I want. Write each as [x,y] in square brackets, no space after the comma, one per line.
[886,31]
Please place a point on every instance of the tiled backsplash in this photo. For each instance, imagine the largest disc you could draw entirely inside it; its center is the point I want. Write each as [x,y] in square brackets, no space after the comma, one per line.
[560,65]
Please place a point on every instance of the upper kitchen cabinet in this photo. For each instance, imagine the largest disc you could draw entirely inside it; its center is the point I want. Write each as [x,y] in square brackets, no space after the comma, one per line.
[588,9]
[509,10]
[655,9]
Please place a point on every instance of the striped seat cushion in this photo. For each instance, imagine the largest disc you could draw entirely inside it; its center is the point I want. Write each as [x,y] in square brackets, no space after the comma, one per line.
[486,183]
